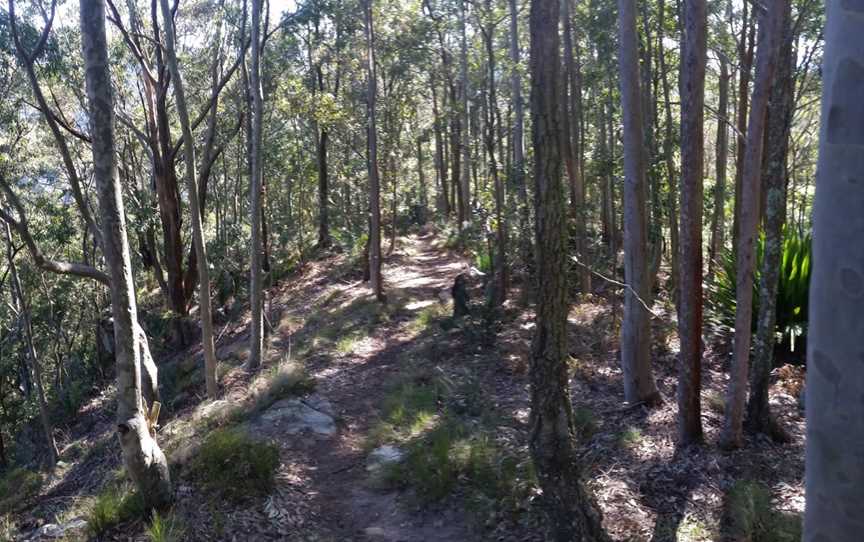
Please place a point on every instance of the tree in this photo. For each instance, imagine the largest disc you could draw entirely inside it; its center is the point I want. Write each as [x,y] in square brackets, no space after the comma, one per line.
[573,514]
[718,217]
[501,272]
[766,59]
[572,149]
[668,153]
[372,158]
[22,308]
[518,136]
[256,279]
[834,406]
[194,205]
[639,385]
[464,89]
[779,122]
[144,460]
[694,50]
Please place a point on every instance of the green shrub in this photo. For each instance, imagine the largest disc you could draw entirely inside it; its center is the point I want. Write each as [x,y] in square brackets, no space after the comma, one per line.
[115,505]
[232,463]
[16,487]
[750,515]
[483,261]
[792,294]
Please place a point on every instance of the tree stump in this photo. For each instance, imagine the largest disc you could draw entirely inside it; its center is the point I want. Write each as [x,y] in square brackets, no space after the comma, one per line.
[460,296]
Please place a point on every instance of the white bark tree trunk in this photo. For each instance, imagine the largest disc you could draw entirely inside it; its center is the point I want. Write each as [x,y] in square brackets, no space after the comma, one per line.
[144,460]
[835,434]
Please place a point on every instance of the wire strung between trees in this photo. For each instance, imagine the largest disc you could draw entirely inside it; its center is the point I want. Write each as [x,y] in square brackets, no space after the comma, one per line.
[622,284]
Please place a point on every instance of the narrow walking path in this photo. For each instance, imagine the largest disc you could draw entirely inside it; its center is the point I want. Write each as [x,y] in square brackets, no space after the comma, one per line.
[330,471]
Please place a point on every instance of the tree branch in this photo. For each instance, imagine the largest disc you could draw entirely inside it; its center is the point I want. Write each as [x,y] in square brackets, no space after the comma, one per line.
[21,226]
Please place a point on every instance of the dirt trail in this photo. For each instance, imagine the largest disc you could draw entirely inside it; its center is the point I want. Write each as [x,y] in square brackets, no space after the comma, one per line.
[331,471]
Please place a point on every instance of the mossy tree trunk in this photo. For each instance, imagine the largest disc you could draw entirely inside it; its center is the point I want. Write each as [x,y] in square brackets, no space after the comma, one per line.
[779,123]
[766,61]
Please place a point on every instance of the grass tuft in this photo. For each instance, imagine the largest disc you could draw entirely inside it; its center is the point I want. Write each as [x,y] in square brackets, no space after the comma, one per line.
[285,379]
[164,529]
[235,465]
[115,505]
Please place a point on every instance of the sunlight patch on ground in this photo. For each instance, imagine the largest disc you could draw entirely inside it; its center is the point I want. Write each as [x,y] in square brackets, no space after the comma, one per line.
[420,304]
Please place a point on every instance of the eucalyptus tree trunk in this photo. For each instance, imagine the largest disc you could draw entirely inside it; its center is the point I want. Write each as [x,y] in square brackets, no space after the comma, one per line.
[606,214]
[572,512]
[502,273]
[372,158]
[835,435]
[19,302]
[142,456]
[324,239]
[745,65]
[779,123]
[766,60]
[423,199]
[518,141]
[572,139]
[256,279]
[668,154]
[194,204]
[639,385]
[465,178]
[718,218]
[443,199]
[693,59]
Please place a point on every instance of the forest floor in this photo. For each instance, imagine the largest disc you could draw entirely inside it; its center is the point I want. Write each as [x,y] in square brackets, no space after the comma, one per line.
[445,403]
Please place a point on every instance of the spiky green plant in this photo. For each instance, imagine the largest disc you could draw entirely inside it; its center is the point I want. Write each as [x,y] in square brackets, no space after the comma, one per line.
[792,294]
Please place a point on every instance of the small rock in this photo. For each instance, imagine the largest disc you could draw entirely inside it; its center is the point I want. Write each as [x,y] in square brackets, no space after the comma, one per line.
[384,455]
[211,409]
[297,415]
[53,530]
[375,531]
